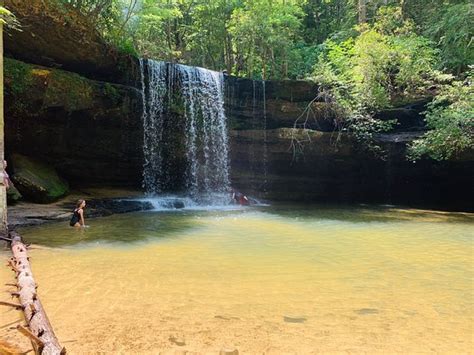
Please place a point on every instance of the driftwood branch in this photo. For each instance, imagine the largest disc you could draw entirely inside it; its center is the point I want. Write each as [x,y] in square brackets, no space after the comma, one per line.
[309,117]
[39,330]
[10,304]
[39,343]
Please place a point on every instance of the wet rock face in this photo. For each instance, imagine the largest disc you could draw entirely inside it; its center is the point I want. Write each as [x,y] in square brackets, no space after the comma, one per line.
[90,131]
[284,103]
[408,117]
[332,169]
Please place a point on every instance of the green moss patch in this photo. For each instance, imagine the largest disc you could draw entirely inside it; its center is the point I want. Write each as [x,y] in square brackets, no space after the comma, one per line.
[18,76]
[69,90]
[37,181]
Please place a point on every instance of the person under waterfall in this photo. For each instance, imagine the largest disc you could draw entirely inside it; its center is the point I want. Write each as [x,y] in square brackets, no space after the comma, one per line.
[77,219]
[240,198]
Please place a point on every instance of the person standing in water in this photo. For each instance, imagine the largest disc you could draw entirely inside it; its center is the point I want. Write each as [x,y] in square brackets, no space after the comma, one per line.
[5,177]
[77,219]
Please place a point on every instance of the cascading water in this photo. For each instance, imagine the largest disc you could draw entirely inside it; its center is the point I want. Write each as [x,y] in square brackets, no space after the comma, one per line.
[265,139]
[206,138]
[153,94]
[199,92]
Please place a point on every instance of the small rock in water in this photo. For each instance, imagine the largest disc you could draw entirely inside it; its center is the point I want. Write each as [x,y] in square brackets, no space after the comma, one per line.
[364,311]
[229,351]
[291,319]
[177,340]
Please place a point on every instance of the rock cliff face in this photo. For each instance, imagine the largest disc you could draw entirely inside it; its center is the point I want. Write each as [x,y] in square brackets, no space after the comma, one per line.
[89,131]
[85,120]
[340,172]
[92,133]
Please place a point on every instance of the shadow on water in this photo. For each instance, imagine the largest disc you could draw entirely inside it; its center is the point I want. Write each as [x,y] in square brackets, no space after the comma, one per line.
[139,227]
[117,229]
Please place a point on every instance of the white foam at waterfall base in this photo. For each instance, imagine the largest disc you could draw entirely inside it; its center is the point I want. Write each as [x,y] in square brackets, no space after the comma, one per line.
[186,203]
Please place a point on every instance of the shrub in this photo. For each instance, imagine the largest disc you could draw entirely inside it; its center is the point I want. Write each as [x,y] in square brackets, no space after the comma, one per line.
[450,117]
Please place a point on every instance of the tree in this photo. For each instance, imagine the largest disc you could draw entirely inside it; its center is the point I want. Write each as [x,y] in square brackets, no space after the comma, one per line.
[452,30]
[3,191]
[450,118]
[9,20]
[264,33]
[362,11]
[385,64]
[325,19]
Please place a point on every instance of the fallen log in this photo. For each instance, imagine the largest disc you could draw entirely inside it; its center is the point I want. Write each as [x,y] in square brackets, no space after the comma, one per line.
[39,330]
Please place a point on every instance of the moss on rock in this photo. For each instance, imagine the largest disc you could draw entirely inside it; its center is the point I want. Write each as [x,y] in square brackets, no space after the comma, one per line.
[68,90]
[111,93]
[13,195]
[37,181]
[17,75]
[45,87]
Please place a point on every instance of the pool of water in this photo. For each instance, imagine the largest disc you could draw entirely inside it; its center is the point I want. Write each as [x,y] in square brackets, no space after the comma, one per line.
[279,279]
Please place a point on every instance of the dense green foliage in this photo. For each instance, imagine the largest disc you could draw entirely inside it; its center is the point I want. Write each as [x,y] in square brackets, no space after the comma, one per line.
[8,19]
[268,38]
[384,64]
[450,117]
[366,55]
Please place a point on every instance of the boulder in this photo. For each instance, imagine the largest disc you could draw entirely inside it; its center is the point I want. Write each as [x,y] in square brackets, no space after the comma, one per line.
[13,195]
[37,181]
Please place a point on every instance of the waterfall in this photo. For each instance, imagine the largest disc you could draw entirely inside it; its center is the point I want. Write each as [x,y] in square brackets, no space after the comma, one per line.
[199,92]
[265,139]
[206,138]
[153,94]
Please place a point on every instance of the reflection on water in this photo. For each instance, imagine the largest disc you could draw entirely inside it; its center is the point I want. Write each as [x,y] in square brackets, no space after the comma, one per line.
[275,280]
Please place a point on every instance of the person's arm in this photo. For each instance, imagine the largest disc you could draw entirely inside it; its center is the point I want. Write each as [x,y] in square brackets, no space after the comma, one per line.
[81,213]
[6,182]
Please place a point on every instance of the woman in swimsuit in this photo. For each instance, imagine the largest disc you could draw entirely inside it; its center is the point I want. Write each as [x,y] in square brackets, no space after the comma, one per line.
[77,219]
[5,177]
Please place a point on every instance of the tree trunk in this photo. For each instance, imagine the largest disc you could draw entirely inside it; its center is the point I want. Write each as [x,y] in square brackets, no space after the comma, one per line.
[39,328]
[229,54]
[362,11]
[3,191]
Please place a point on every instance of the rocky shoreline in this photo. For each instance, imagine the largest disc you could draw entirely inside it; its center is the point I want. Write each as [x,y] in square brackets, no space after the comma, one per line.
[100,203]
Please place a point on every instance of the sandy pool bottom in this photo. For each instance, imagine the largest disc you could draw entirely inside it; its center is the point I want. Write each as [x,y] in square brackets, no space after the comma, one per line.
[262,283]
